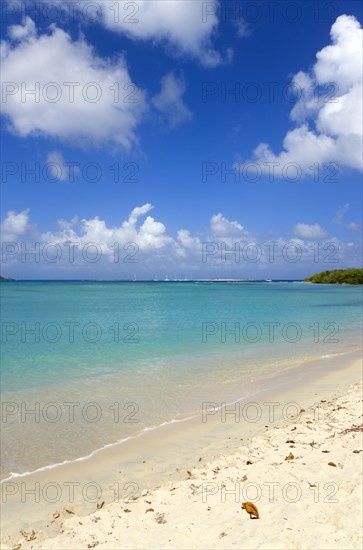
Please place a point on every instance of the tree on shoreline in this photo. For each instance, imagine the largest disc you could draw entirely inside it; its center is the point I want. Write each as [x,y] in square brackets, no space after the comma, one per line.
[351,276]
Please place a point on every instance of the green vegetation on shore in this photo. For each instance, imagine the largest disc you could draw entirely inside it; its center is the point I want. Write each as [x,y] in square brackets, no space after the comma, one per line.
[338,277]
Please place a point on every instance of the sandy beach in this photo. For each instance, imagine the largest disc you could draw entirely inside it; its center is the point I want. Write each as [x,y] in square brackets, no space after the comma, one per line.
[302,472]
[181,275]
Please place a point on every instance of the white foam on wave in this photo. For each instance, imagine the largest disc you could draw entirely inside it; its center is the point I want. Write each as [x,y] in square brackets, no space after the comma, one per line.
[196,414]
[14,475]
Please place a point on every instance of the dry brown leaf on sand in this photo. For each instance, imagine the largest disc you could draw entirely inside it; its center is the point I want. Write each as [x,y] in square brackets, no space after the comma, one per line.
[290,456]
[149,510]
[223,534]
[251,509]
[332,464]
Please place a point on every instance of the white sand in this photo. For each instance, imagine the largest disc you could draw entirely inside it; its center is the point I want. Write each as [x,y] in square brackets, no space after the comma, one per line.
[321,508]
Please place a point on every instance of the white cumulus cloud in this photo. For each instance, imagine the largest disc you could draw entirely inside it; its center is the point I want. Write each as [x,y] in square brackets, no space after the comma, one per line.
[306,231]
[57,168]
[170,101]
[221,227]
[26,30]
[150,249]
[329,110]
[187,27]
[187,240]
[79,96]
[340,213]
[149,235]
[339,219]
[15,225]
[184,27]
[352,226]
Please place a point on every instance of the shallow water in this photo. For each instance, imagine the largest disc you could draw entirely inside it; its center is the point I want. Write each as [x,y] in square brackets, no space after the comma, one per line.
[88,364]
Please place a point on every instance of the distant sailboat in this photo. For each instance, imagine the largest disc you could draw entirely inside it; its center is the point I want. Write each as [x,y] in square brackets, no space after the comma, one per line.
[166,278]
[135,278]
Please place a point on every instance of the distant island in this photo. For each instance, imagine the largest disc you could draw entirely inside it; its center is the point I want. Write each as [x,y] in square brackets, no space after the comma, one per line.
[338,277]
[6,278]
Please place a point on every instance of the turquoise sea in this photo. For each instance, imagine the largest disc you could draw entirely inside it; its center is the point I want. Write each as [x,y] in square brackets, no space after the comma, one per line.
[87,364]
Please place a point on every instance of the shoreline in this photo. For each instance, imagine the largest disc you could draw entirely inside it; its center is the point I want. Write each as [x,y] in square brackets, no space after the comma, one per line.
[255,383]
[191,416]
[153,461]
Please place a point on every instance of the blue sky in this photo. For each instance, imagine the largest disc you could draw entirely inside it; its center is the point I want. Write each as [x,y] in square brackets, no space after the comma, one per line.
[296,70]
